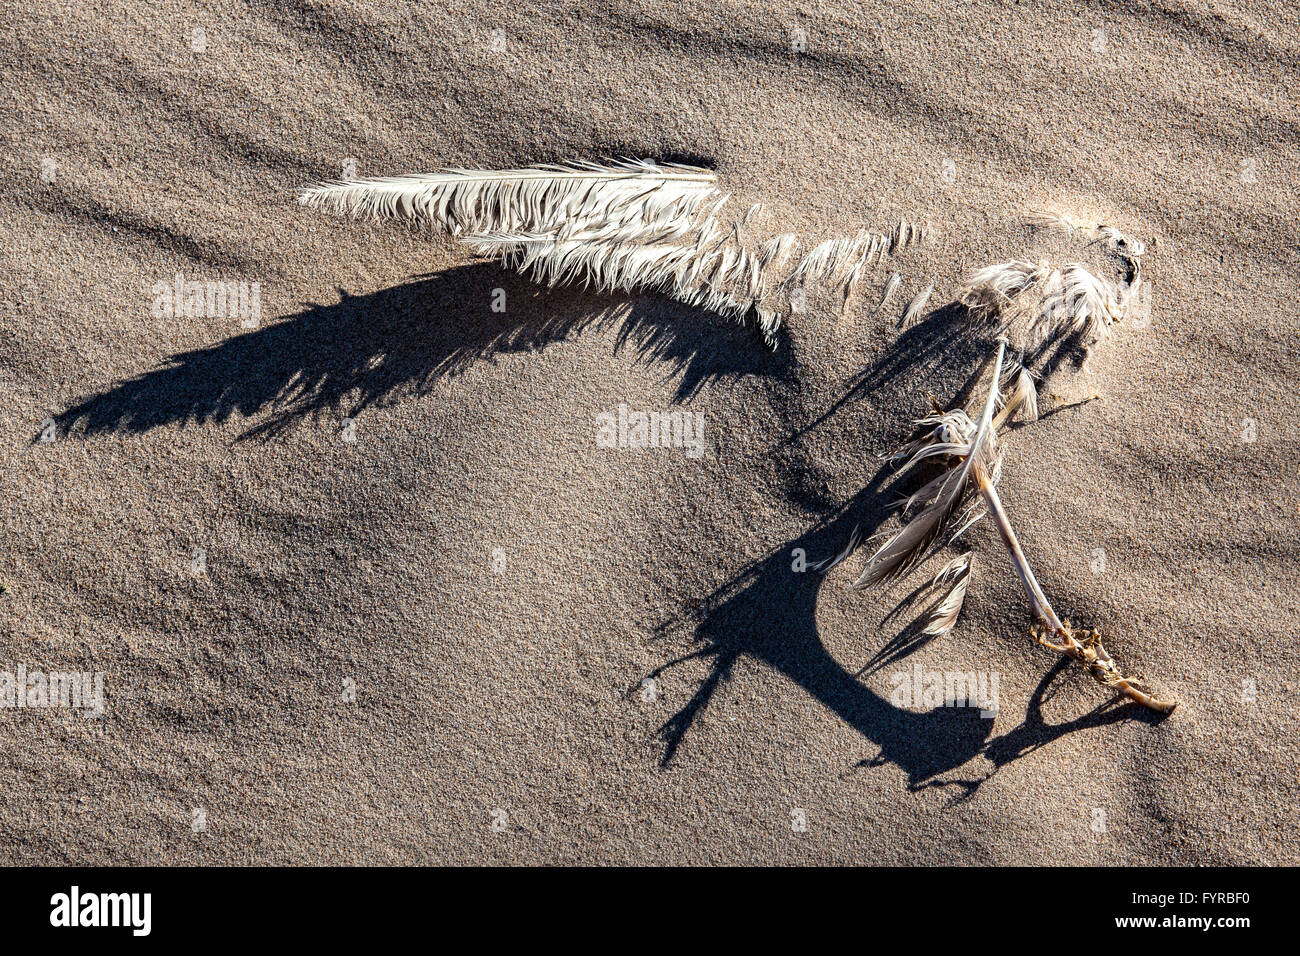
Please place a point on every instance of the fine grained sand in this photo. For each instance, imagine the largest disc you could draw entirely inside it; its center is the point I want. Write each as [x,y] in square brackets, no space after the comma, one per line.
[506,685]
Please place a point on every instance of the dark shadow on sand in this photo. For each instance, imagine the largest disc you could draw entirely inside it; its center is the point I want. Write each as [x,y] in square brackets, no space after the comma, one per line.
[369,350]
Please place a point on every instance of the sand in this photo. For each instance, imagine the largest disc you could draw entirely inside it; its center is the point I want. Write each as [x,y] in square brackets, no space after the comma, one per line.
[428,644]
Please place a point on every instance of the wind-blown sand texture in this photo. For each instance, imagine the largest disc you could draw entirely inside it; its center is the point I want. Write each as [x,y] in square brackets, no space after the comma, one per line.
[428,644]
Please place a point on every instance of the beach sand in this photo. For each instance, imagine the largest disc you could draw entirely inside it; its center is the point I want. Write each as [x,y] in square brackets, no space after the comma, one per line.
[363,588]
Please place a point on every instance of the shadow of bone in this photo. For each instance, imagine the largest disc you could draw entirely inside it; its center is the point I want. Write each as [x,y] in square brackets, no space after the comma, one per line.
[768,613]
[374,349]
[1036,731]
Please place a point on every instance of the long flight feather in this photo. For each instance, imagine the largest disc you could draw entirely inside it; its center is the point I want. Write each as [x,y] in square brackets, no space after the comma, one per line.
[546,198]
